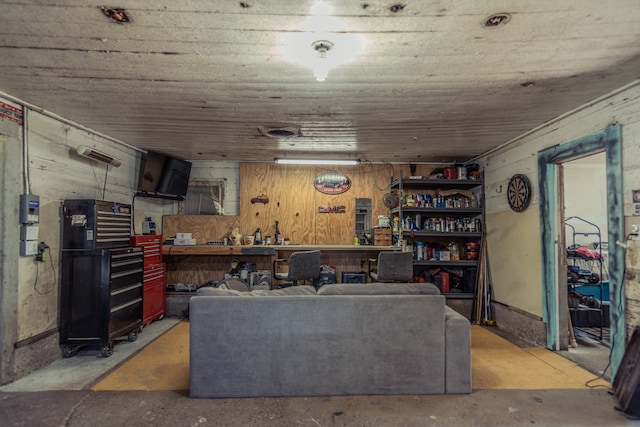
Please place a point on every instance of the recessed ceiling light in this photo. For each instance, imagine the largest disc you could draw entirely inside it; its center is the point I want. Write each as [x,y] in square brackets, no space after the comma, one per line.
[496,20]
[116,14]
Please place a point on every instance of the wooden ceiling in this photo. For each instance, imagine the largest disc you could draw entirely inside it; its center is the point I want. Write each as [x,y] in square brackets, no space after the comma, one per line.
[204,79]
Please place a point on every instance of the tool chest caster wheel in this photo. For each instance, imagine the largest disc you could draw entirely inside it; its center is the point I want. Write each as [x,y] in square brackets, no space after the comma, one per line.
[107,350]
[68,351]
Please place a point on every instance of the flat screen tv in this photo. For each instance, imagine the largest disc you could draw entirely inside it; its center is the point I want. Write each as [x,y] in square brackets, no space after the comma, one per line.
[163,174]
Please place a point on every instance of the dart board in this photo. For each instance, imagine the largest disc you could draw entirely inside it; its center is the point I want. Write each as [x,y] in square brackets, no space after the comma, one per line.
[519,192]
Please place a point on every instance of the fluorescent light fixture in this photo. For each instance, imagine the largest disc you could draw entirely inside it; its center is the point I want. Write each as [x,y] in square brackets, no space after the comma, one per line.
[343,162]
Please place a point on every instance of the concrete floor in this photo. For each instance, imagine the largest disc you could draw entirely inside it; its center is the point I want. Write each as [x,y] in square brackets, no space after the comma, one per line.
[38,401]
[591,354]
[480,408]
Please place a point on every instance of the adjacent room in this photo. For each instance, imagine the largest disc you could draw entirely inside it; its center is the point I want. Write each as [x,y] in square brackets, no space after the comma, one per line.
[320,213]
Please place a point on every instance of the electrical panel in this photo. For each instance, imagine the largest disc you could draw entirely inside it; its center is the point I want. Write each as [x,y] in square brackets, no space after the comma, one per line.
[29,208]
[29,215]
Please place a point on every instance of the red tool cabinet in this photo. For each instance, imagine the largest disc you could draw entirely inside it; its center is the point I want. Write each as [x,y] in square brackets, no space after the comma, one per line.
[154,279]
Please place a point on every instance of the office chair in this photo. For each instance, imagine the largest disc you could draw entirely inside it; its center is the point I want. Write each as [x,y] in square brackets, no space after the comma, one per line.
[392,267]
[303,265]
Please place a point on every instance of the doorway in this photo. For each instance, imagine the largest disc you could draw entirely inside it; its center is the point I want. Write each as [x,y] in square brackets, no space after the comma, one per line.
[552,222]
[584,203]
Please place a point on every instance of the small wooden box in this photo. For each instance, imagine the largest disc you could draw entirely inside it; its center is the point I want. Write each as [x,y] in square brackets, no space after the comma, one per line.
[382,236]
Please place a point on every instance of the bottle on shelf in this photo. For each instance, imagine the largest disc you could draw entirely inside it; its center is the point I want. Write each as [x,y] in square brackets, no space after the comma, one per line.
[276,236]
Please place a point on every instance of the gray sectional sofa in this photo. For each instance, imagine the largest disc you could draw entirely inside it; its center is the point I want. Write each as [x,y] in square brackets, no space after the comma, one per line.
[344,339]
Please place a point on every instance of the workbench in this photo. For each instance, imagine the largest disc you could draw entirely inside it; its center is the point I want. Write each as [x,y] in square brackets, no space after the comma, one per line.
[198,264]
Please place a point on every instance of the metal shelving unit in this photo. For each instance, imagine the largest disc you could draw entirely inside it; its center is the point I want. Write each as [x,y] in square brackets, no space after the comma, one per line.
[579,276]
[467,268]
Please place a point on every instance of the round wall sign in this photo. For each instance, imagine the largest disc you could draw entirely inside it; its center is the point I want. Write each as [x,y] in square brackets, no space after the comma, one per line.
[332,183]
[519,192]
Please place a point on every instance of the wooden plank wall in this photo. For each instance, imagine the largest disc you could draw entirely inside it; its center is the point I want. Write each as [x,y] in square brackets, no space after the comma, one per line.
[203,228]
[294,202]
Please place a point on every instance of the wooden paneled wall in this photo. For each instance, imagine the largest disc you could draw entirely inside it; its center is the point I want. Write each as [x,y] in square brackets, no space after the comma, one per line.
[294,202]
[203,228]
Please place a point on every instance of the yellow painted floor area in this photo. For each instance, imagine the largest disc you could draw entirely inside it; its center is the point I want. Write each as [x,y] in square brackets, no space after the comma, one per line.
[496,364]
[162,365]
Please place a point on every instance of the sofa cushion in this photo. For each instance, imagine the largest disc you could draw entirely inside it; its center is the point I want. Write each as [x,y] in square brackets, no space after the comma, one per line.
[379,289]
[292,290]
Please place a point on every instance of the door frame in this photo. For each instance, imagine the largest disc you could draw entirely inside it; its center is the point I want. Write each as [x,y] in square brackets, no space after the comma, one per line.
[609,141]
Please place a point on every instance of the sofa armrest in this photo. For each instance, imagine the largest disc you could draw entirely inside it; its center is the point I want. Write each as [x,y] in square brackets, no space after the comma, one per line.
[457,353]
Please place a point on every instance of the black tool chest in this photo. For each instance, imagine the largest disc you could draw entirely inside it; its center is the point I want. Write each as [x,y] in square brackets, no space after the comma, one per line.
[101,296]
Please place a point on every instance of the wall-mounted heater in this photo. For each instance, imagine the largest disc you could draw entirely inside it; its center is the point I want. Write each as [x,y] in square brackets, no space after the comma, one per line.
[94,154]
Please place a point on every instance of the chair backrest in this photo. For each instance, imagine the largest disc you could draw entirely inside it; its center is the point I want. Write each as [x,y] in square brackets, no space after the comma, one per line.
[304,265]
[395,266]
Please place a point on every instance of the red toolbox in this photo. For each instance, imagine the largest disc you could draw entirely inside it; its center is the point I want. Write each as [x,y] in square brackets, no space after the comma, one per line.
[152,246]
[154,278]
[153,301]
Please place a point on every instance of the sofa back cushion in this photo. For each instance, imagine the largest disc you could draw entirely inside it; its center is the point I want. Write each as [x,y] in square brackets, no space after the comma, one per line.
[379,289]
[291,290]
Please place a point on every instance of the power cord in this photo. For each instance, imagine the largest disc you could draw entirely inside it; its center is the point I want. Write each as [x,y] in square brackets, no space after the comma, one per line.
[40,257]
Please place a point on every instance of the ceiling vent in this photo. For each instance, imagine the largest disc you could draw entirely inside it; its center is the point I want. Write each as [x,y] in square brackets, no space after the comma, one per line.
[94,154]
[280,132]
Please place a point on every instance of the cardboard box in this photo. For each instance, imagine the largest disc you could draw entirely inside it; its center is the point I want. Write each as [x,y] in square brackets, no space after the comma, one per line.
[382,236]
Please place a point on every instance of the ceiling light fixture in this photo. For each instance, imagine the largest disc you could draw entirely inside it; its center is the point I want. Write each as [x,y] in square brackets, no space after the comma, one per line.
[342,162]
[118,15]
[322,42]
[321,65]
[496,20]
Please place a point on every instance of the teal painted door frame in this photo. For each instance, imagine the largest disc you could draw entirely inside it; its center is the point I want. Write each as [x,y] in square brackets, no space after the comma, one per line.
[609,141]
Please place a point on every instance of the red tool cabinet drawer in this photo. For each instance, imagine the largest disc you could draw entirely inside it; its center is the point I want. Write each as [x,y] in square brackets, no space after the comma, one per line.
[152,246]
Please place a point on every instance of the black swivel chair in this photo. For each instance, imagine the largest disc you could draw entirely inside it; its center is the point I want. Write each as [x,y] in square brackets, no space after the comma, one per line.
[303,265]
[392,266]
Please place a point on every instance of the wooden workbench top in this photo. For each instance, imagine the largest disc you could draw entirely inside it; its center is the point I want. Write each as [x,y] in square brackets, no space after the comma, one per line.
[264,249]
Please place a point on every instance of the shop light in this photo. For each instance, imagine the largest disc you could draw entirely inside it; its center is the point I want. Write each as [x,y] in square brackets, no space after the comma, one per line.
[342,162]
[322,42]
